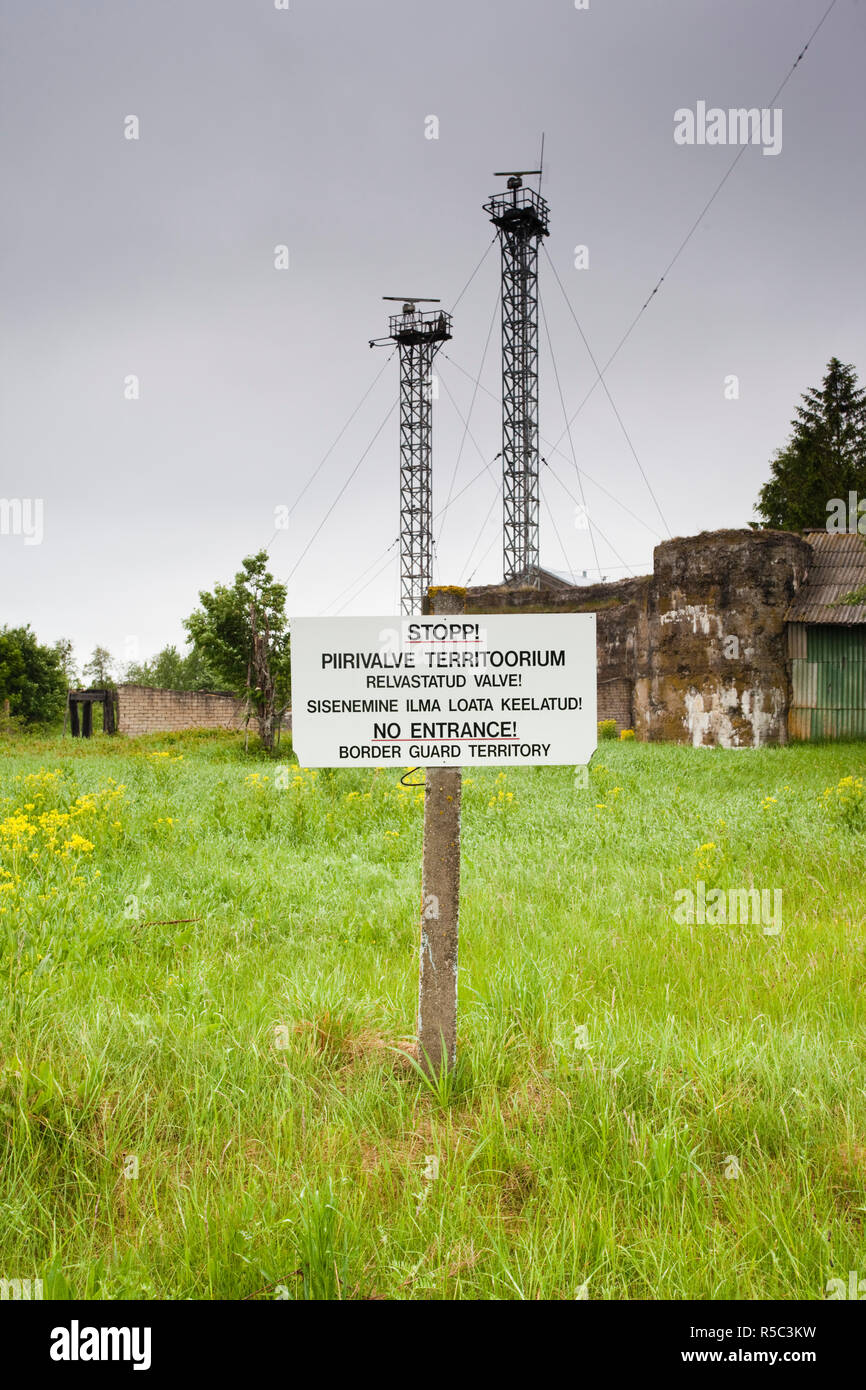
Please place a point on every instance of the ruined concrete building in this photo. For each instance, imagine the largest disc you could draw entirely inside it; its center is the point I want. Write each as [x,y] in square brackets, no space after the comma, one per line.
[737,638]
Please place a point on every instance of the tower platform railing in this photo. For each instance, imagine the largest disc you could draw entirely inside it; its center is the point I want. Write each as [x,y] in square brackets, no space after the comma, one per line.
[519,205]
[420,327]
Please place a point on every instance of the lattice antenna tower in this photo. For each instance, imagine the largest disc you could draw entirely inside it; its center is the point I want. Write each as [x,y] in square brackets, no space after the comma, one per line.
[521,218]
[418,333]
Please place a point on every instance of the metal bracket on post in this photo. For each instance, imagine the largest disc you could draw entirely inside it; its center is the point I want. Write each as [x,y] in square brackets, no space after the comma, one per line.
[440,897]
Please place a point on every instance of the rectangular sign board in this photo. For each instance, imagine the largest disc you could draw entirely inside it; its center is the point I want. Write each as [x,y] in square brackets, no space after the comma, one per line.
[479,690]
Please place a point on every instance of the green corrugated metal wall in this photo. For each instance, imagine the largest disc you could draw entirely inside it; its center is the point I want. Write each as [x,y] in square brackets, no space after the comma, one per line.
[828,677]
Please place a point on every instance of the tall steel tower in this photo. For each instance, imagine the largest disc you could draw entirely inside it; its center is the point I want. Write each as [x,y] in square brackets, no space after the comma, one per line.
[419,335]
[521,218]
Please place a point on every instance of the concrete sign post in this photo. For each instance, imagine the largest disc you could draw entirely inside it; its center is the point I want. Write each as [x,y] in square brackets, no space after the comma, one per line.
[444,691]
[440,897]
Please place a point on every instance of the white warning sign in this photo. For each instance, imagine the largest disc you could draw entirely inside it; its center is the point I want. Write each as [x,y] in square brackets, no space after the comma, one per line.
[455,691]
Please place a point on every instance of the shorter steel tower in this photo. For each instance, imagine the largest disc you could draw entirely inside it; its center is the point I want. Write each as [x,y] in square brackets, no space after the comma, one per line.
[521,218]
[419,335]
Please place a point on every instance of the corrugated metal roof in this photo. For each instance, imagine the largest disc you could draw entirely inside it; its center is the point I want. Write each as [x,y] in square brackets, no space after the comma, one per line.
[839,565]
[555,579]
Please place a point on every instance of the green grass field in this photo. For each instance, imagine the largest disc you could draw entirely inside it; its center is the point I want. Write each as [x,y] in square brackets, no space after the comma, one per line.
[223,1107]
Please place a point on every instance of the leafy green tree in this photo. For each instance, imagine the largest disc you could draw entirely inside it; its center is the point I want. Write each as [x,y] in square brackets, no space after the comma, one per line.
[31,677]
[174,670]
[242,632]
[99,670]
[857,596]
[140,673]
[65,650]
[825,457]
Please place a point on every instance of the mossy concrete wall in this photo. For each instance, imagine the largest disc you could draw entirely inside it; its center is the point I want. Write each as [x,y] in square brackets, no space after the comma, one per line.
[699,645]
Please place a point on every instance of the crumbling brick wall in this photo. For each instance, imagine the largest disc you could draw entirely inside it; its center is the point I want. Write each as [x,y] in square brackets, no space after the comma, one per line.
[616,701]
[143,710]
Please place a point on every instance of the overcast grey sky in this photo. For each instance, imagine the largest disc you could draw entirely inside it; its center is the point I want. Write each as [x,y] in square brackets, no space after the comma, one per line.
[308,127]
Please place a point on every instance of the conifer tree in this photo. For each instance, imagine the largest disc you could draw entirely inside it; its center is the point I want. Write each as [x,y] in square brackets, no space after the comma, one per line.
[825,457]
